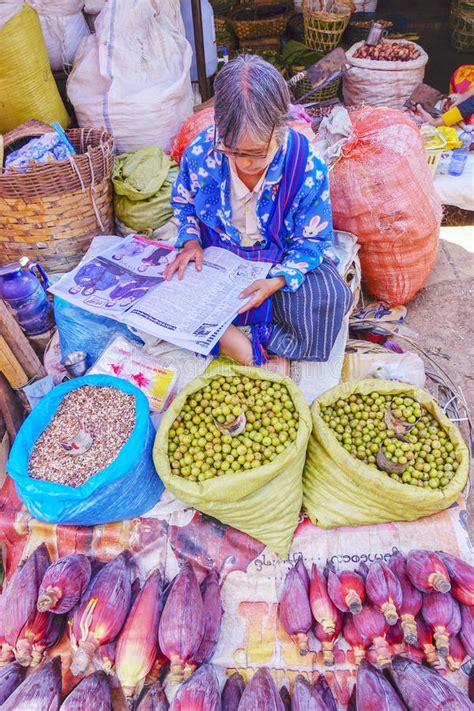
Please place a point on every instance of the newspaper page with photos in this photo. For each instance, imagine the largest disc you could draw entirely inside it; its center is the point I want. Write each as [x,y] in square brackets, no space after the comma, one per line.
[194,312]
[126,282]
[117,277]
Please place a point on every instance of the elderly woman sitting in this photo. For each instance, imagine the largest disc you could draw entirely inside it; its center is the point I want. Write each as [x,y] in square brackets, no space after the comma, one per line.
[253,186]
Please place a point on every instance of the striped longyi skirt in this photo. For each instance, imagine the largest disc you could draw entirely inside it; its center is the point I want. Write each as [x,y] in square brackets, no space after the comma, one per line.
[306,322]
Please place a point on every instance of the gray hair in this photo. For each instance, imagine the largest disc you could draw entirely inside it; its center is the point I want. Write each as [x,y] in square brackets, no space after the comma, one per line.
[251,97]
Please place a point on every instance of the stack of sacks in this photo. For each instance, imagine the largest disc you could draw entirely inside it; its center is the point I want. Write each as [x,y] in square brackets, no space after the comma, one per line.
[64,26]
[136,84]
[93,7]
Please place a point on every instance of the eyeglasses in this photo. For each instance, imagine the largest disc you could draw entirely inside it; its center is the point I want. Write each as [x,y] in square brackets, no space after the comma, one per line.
[219,147]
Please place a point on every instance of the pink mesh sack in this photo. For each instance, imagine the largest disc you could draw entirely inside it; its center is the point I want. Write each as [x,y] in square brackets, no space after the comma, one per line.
[189,130]
[382,191]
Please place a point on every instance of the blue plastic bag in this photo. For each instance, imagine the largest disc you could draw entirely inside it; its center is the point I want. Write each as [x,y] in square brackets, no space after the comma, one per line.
[127,488]
[80,330]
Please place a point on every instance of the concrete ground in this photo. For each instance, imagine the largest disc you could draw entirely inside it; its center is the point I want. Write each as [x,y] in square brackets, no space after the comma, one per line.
[442,315]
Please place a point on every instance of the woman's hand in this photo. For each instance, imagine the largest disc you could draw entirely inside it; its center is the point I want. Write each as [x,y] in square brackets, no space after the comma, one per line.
[450,101]
[192,252]
[260,290]
[428,118]
[456,99]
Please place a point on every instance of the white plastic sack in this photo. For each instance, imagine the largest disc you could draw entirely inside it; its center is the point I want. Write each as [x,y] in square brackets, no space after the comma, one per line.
[133,82]
[169,7]
[172,10]
[93,7]
[365,5]
[334,131]
[406,367]
[58,8]
[8,10]
[380,83]
[63,36]
[64,26]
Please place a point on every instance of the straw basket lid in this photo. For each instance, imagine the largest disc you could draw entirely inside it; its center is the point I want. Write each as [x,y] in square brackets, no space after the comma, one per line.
[254,21]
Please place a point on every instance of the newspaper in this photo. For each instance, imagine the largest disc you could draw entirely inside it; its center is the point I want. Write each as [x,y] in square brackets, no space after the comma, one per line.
[126,282]
[117,277]
[193,313]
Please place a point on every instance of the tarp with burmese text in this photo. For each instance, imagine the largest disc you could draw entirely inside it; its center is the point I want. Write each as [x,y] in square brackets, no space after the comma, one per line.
[251,575]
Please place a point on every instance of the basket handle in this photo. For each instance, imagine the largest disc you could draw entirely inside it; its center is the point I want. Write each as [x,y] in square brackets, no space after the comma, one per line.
[30,129]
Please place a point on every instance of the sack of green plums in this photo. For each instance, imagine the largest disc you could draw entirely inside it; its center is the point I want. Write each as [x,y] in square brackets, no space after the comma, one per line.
[233,445]
[381,451]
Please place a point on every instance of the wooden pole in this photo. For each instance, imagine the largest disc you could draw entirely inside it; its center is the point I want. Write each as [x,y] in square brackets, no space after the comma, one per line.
[19,344]
[10,407]
[10,367]
[200,51]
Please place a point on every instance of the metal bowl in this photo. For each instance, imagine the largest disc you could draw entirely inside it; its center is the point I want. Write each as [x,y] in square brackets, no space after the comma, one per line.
[75,363]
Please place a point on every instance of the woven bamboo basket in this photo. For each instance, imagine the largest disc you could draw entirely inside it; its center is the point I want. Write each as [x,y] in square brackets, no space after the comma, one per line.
[220,25]
[52,212]
[222,8]
[462,25]
[303,86]
[225,36]
[251,23]
[463,5]
[457,217]
[290,3]
[323,30]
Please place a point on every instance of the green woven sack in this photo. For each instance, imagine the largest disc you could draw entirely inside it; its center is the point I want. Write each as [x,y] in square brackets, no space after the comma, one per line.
[339,490]
[142,181]
[264,502]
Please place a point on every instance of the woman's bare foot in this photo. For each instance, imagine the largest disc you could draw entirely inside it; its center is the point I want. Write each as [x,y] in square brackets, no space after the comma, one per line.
[237,346]
[277,364]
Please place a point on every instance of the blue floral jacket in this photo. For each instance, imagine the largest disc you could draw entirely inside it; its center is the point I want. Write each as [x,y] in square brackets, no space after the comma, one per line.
[202,193]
